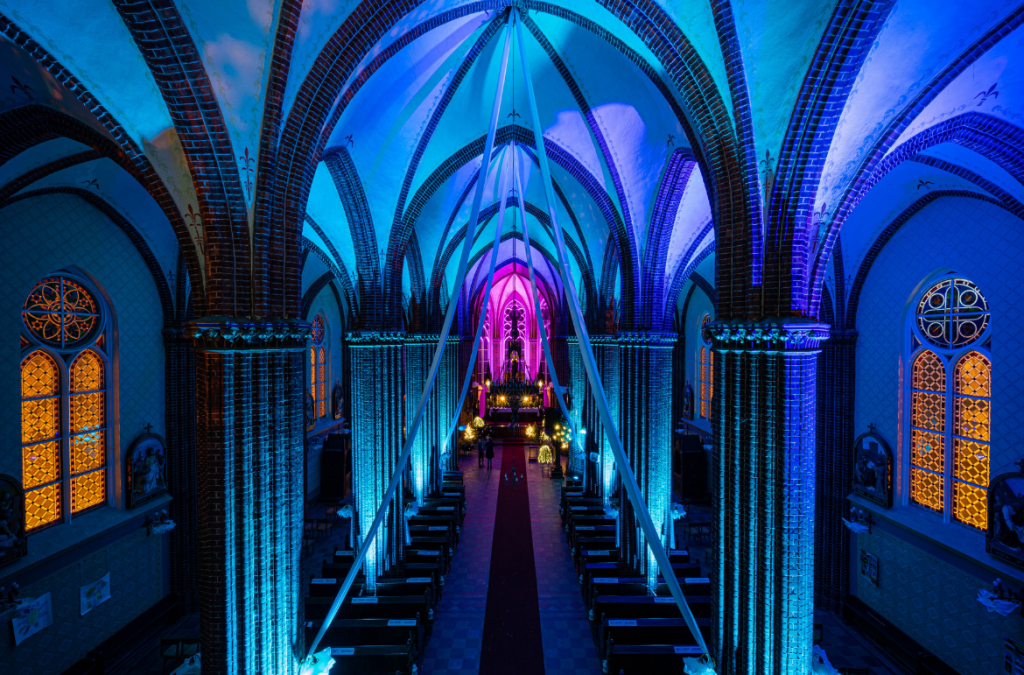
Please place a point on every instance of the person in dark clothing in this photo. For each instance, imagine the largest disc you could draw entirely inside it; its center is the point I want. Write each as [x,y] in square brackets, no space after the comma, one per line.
[480,452]
[489,451]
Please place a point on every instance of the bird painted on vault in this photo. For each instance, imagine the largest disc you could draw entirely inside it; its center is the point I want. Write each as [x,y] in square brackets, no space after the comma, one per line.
[349,142]
[514,115]
[991,92]
[922,183]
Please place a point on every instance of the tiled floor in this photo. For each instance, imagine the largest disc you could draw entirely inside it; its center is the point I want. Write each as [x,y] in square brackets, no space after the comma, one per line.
[568,644]
[454,648]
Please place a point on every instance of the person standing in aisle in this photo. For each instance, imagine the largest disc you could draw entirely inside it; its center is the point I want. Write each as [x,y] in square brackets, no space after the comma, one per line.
[490,452]
[480,452]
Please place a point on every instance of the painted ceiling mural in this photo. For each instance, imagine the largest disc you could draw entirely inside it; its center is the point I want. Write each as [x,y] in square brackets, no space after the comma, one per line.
[831,117]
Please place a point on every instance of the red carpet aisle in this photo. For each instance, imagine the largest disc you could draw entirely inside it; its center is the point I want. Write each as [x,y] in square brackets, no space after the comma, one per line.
[512,639]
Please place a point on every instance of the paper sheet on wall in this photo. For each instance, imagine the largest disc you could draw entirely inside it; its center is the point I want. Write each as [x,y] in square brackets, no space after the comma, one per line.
[95,593]
[31,616]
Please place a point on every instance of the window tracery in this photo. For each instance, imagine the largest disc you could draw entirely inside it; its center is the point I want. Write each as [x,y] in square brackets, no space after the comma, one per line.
[318,366]
[63,403]
[950,417]
[706,366]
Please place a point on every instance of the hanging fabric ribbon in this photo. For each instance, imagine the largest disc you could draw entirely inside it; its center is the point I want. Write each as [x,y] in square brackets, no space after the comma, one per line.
[628,479]
[435,364]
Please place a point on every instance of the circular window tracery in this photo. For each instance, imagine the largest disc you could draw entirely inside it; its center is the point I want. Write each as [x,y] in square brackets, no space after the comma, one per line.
[61,313]
[953,313]
[318,329]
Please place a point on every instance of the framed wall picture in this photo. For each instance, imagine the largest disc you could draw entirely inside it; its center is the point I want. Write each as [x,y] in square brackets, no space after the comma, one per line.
[337,401]
[13,544]
[869,567]
[872,468]
[145,470]
[1005,536]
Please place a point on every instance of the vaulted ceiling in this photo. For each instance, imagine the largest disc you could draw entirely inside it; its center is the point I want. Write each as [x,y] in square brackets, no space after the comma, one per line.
[888,101]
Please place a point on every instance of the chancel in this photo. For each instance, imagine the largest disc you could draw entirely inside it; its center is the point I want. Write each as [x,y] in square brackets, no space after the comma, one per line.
[618,338]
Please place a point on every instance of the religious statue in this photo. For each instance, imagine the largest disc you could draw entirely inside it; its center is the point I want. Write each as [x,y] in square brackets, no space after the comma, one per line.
[1005,537]
[13,543]
[872,468]
[688,401]
[337,401]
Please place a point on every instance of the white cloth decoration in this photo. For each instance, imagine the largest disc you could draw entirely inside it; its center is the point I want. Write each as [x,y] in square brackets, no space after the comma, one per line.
[820,664]
[317,664]
[855,527]
[411,510]
[993,604]
[164,527]
[695,666]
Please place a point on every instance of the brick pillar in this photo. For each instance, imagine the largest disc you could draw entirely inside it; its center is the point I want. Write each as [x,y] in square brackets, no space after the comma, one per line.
[606,354]
[419,349]
[451,377]
[645,426]
[180,423]
[579,393]
[378,431]
[834,469]
[249,410]
[762,570]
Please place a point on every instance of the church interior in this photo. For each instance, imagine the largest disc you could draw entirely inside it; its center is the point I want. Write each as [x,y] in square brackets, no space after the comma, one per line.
[563,337]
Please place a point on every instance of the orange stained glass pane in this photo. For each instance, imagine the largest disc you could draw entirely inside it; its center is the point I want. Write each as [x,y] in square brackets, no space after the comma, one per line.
[929,411]
[927,450]
[711,374]
[42,507]
[88,451]
[971,461]
[703,409]
[87,491]
[970,505]
[87,412]
[974,376]
[40,463]
[40,420]
[87,372]
[39,376]
[971,418]
[926,489]
[929,373]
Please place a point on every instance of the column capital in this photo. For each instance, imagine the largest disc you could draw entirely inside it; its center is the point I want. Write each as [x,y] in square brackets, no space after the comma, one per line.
[246,334]
[768,335]
[653,339]
[375,338]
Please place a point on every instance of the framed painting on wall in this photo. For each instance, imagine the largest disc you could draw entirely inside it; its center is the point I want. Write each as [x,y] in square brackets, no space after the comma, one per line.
[872,468]
[145,470]
[1005,537]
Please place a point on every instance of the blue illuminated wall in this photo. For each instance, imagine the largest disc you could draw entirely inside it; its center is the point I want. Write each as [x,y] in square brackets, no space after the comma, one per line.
[919,591]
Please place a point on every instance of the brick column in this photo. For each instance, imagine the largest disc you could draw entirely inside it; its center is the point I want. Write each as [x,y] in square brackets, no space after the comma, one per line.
[249,473]
[419,349]
[762,567]
[645,414]
[579,392]
[378,431]
[606,354]
[450,386]
[834,469]
[180,424]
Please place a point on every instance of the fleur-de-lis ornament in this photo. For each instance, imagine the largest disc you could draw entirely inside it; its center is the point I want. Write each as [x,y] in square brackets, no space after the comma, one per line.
[23,88]
[924,184]
[195,221]
[991,92]
[671,141]
[94,184]
[766,165]
[248,165]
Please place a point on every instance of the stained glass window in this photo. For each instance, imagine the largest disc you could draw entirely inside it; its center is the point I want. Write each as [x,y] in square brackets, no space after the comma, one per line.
[63,410]
[60,312]
[952,313]
[40,439]
[706,377]
[950,429]
[318,367]
[927,431]
[88,431]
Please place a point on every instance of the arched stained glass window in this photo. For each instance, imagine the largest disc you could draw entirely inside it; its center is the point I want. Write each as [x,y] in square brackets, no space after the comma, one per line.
[707,368]
[927,432]
[40,438]
[950,416]
[318,375]
[88,432]
[64,404]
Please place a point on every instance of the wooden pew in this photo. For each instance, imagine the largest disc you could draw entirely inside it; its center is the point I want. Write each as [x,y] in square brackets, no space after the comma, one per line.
[377,607]
[356,632]
[645,659]
[373,660]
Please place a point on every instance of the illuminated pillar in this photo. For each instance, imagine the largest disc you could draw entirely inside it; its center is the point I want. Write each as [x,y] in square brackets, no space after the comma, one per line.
[418,351]
[249,416]
[378,412]
[451,375]
[606,354]
[645,381]
[762,563]
[577,386]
